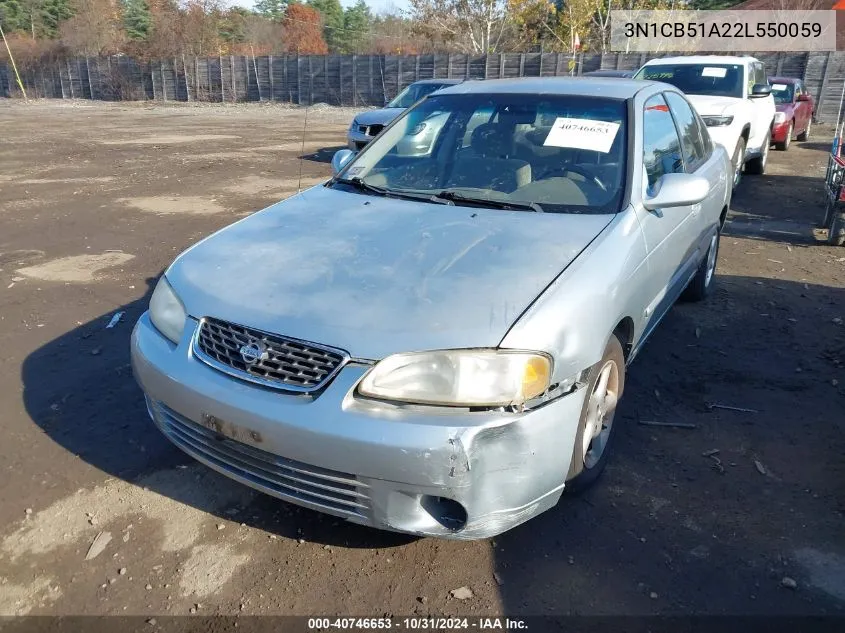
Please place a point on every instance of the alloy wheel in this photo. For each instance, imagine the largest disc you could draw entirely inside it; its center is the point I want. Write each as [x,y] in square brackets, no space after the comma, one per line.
[601,409]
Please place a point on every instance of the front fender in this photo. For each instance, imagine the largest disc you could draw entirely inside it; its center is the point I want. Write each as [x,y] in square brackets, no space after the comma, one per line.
[574,318]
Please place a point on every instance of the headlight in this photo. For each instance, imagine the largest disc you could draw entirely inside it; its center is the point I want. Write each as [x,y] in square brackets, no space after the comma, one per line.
[417,129]
[780,117]
[166,311]
[717,121]
[460,377]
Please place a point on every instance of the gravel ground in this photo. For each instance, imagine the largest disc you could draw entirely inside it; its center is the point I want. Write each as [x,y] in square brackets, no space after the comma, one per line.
[742,514]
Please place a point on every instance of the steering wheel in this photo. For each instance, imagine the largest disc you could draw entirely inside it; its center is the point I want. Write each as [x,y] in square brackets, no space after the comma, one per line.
[574,169]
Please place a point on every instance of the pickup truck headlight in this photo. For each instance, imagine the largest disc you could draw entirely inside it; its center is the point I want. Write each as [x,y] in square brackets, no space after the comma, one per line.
[166,311]
[717,121]
[780,117]
[461,378]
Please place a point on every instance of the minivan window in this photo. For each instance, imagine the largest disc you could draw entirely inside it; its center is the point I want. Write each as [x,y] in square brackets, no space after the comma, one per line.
[721,80]
[661,146]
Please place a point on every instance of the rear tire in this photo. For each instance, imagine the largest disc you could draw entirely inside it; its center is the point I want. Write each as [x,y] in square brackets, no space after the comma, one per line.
[596,430]
[805,135]
[757,166]
[701,285]
[784,145]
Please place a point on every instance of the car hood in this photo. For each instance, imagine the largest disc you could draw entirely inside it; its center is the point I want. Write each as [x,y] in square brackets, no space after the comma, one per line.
[708,105]
[376,276]
[378,117]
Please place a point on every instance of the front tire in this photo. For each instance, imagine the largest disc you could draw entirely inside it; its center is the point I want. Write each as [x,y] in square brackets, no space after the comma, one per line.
[738,161]
[702,284]
[757,166]
[596,430]
[784,145]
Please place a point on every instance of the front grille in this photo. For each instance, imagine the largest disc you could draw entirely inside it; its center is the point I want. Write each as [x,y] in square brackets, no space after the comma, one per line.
[283,363]
[374,130]
[284,478]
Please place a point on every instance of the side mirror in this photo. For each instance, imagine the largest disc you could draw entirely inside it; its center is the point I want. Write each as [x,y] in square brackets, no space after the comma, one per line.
[803,97]
[760,90]
[677,190]
[340,158]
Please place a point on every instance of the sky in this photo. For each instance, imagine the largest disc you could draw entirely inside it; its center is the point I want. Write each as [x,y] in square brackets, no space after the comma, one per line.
[377,6]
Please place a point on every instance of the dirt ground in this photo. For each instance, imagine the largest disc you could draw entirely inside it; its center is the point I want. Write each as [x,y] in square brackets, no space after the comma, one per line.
[97,199]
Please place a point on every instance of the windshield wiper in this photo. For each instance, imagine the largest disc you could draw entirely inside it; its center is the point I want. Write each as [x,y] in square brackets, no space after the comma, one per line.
[381,191]
[486,202]
[361,185]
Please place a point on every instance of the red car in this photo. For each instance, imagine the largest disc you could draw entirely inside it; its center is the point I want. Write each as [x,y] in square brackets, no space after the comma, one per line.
[795,109]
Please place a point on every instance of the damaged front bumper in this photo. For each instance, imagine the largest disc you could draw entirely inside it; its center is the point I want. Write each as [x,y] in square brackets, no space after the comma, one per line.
[421,470]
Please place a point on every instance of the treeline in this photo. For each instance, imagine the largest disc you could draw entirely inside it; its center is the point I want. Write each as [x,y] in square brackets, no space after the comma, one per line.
[164,29]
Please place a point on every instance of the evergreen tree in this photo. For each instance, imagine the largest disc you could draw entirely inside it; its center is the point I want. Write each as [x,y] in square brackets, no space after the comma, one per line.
[51,14]
[271,9]
[332,14]
[357,22]
[12,16]
[136,19]
[233,25]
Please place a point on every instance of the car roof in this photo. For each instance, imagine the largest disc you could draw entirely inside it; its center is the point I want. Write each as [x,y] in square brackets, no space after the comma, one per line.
[444,81]
[702,59]
[610,87]
[784,80]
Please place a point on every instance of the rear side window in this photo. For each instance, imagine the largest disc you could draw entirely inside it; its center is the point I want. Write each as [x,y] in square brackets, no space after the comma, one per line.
[695,152]
[661,145]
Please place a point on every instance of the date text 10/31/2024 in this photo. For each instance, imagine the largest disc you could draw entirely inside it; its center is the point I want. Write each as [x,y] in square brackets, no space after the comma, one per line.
[723,30]
[417,623]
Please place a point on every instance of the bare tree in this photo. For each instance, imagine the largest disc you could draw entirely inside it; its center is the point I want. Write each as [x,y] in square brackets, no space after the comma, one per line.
[94,29]
[473,26]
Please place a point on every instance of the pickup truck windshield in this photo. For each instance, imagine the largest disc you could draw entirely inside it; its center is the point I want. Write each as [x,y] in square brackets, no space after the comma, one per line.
[551,153]
[718,80]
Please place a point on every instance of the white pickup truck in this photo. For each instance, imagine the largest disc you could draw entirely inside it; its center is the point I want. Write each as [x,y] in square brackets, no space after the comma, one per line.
[733,97]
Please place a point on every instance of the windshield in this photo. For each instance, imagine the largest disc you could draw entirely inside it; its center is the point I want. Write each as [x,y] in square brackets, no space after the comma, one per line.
[413,93]
[783,93]
[698,79]
[562,154]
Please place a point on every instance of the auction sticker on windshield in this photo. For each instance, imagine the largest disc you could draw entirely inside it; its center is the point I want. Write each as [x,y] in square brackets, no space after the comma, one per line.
[582,134]
[779,87]
[714,71]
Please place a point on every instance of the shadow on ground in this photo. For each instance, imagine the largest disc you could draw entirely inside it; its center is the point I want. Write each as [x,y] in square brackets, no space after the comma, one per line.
[323,155]
[667,529]
[777,208]
[79,389]
[709,519]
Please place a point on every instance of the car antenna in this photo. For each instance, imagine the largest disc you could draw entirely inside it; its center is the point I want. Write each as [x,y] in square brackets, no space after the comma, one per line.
[302,150]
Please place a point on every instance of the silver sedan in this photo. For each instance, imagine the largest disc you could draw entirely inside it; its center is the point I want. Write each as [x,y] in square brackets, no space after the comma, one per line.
[437,343]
